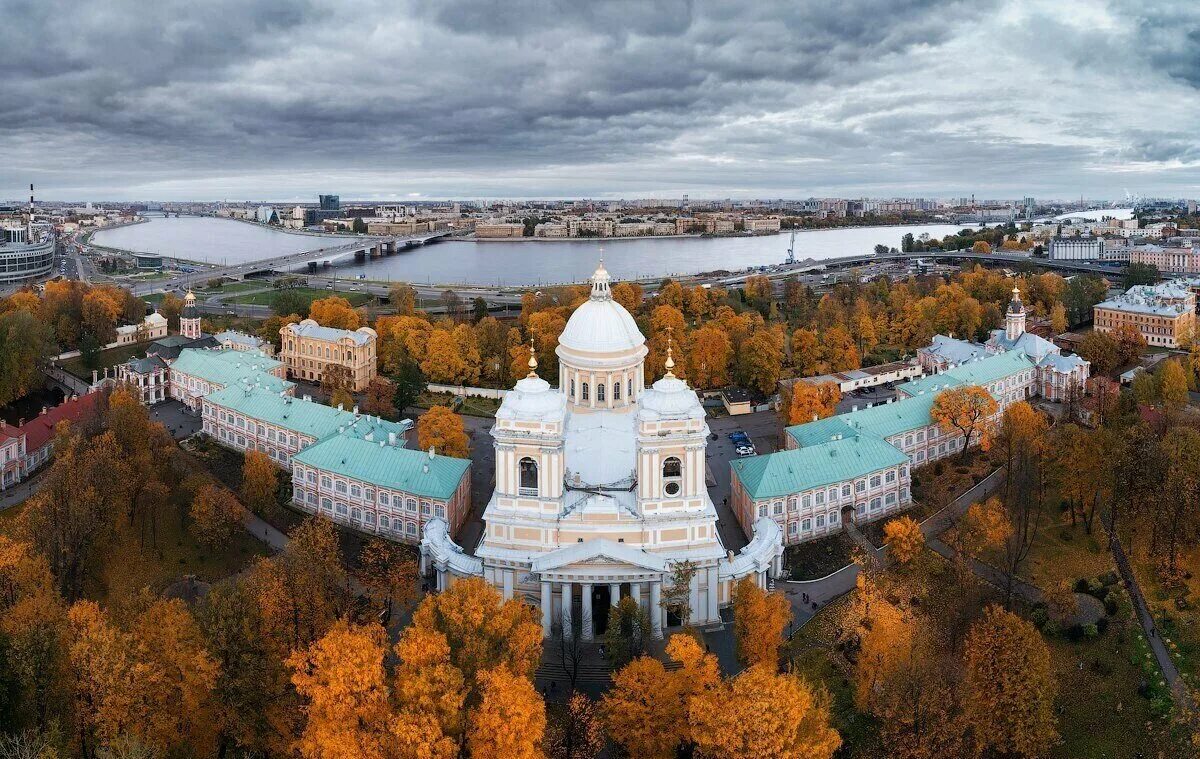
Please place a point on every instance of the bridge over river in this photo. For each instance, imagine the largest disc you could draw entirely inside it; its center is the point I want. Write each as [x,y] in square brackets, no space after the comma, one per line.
[309,260]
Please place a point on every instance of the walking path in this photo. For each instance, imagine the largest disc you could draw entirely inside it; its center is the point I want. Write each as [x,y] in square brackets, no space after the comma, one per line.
[1179,691]
[808,596]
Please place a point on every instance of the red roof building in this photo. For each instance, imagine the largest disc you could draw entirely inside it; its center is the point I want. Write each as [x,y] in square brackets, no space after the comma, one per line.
[39,431]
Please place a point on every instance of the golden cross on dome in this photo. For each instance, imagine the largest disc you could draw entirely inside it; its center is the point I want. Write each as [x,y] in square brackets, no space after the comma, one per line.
[532,359]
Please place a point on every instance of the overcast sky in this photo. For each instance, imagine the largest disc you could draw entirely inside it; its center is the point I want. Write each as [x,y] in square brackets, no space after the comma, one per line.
[279,100]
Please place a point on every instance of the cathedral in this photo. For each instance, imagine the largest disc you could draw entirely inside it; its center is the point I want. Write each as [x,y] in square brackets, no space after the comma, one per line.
[600,489]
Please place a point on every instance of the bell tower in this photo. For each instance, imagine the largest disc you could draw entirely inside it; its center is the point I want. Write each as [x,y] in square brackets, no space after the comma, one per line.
[672,434]
[189,318]
[1014,319]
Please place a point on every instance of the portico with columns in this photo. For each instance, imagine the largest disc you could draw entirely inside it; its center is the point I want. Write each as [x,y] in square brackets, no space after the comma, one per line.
[600,488]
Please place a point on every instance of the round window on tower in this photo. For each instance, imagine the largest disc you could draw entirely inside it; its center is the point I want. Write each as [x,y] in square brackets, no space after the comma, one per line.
[672,488]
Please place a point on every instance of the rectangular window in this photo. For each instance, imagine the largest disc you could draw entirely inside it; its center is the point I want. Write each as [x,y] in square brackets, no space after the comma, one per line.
[806,525]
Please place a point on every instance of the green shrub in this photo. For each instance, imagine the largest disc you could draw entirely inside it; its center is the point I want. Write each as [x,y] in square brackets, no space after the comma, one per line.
[1090,631]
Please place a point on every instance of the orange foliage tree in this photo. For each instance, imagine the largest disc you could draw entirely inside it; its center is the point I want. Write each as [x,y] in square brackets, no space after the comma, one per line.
[260,480]
[760,619]
[709,353]
[904,539]
[809,402]
[966,409]
[1009,686]
[215,514]
[442,429]
[335,312]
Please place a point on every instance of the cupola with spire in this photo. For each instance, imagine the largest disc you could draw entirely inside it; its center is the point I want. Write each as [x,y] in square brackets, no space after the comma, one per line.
[1014,318]
[189,317]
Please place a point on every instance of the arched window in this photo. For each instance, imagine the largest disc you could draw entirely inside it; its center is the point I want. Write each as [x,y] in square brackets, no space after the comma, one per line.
[617,390]
[584,396]
[529,476]
[672,471]
[572,388]
[630,393]
[600,392]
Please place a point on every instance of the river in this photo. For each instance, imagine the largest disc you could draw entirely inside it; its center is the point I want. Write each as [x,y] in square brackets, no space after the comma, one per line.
[509,263]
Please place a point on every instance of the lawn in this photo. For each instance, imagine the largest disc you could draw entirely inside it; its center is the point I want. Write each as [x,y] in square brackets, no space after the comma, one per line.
[235,287]
[1100,712]
[1174,608]
[130,565]
[106,358]
[815,559]
[308,293]
[485,407]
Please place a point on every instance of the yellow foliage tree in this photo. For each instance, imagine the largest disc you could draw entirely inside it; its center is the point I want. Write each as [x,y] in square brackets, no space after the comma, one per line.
[260,480]
[335,312]
[967,410]
[764,715]
[809,402]
[643,711]
[443,362]
[904,539]
[510,720]
[709,353]
[342,680]
[442,429]
[760,619]
[215,514]
[1008,686]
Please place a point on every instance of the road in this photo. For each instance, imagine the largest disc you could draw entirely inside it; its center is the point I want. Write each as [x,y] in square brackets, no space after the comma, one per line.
[764,429]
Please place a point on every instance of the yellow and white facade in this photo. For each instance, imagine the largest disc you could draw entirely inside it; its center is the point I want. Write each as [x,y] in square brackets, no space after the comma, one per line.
[600,488]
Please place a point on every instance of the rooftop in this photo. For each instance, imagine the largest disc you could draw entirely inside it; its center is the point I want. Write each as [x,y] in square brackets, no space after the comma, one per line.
[791,471]
[228,367]
[308,418]
[309,328]
[386,465]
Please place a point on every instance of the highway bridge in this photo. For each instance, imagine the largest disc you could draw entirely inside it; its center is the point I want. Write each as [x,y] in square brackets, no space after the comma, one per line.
[1005,259]
[309,260]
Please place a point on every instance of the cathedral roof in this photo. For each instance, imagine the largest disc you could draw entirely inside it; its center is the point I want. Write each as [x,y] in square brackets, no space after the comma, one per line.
[601,325]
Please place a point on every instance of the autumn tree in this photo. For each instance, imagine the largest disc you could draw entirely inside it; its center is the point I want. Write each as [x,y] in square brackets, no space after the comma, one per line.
[1130,343]
[760,619]
[1008,686]
[510,720]
[260,482]
[301,591]
[403,298]
[574,730]
[1172,386]
[904,538]
[967,410]
[806,352]
[629,295]
[215,515]
[1101,350]
[443,363]
[762,713]
[709,354]
[334,311]
[389,573]
[839,351]
[983,527]
[760,361]
[808,402]
[380,401]
[643,712]
[342,680]
[442,430]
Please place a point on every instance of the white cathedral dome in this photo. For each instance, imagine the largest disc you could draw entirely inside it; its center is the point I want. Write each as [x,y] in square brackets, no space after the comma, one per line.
[601,325]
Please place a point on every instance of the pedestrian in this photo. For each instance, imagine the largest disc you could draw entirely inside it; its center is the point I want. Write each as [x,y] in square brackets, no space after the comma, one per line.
[814,605]
[805,598]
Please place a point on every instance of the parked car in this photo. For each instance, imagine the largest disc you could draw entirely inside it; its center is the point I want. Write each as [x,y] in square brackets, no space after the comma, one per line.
[745,450]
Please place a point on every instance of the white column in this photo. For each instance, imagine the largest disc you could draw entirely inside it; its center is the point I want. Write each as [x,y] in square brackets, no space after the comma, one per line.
[567,627]
[635,592]
[585,621]
[441,579]
[656,610]
[713,615]
[508,584]
[547,608]
[614,594]
[694,596]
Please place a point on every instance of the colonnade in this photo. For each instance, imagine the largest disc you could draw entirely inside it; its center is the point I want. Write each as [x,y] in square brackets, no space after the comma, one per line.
[587,632]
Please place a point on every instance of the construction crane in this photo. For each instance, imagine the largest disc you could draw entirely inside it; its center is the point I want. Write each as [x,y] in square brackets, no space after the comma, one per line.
[791,254]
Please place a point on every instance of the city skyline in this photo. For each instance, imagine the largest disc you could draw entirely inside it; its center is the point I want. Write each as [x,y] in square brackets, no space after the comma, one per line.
[545,100]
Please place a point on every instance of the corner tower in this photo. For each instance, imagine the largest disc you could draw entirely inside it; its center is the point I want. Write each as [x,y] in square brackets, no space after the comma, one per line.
[1014,319]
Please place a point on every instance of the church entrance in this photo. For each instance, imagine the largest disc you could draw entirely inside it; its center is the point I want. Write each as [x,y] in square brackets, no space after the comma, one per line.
[600,608]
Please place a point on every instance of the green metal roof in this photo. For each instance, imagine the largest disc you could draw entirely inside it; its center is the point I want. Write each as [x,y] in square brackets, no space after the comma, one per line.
[880,421]
[978,372]
[314,420]
[229,367]
[788,472]
[386,466]
[821,431]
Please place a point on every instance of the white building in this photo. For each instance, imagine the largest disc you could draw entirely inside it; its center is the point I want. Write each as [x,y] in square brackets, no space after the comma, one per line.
[600,488]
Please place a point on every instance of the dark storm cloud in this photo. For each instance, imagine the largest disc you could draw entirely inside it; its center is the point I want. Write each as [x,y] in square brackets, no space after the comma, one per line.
[265,98]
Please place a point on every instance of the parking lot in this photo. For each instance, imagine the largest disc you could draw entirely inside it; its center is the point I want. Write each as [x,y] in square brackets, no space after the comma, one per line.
[764,429]
[863,396]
